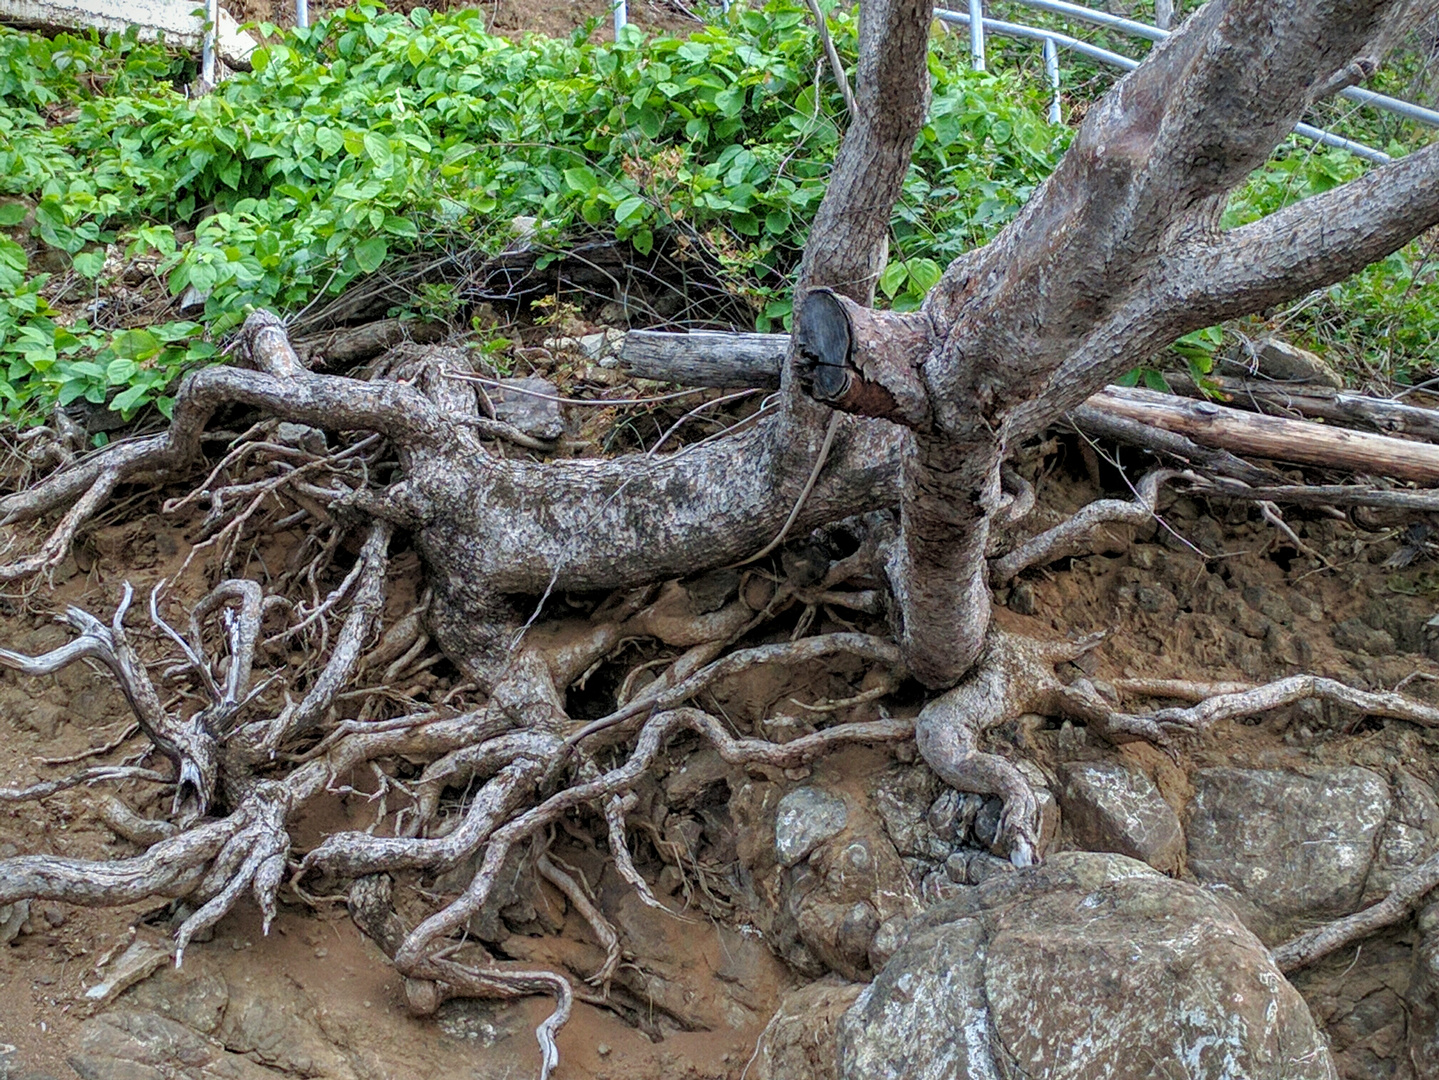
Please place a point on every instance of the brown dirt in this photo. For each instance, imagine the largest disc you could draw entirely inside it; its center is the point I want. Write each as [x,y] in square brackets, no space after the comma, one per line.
[1213,594]
[1199,598]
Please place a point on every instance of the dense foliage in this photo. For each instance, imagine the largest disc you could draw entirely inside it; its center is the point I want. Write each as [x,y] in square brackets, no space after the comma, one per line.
[374,136]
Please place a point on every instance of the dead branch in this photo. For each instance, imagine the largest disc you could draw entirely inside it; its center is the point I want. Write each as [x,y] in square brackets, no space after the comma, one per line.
[1275,437]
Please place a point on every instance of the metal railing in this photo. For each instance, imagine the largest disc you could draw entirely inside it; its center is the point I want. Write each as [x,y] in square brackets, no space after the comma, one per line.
[979,25]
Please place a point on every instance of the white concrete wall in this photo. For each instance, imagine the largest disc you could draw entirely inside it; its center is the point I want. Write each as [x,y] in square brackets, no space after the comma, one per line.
[175,18]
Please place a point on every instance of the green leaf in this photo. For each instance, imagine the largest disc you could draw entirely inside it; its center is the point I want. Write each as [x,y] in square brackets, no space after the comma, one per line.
[135,345]
[12,213]
[120,371]
[643,240]
[329,140]
[629,209]
[923,274]
[369,254]
[581,180]
[354,141]
[1155,381]
[377,149]
[89,263]
[893,278]
[12,254]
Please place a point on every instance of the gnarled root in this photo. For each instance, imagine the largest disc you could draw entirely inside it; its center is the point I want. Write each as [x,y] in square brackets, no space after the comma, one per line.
[1313,945]
[1076,535]
[1016,676]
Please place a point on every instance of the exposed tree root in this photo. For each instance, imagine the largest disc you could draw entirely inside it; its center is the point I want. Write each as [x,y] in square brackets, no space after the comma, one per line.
[1313,945]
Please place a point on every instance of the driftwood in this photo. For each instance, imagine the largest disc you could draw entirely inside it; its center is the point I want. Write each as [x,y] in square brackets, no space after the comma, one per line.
[1202,432]
[1300,441]
[705,358]
[1321,403]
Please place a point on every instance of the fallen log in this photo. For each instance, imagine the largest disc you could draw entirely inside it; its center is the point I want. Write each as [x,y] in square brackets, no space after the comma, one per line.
[1302,442]
[744,360]
[705,358]
[354,344]
[1321,403]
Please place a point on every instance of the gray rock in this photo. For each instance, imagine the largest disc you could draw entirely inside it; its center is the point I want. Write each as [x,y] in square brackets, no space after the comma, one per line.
[1295,846]
[905,799]
[1111,808]
[798,1043]
[12,920]
[807,817]
[1070,970]
[1410,835]
[131,1044]
[1281,360]
[529,404]
[1358,636]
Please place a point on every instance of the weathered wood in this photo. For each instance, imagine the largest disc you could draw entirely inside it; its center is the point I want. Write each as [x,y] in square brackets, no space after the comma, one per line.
[354,344]
[1094,421]
[705,358]
[1199,431]
[1277,438]
[1324,403]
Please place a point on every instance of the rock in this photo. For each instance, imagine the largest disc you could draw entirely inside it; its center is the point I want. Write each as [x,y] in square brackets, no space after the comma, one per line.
[194,995]
[1295,846]
[529,404]
[807,818]
[137,962]
[129,1044]
[798,1043]
[12,919]
[905,798]
[1022,600]
[1358,636]
[1111,808]
[1067,970]
[1281,360]
[1410,835]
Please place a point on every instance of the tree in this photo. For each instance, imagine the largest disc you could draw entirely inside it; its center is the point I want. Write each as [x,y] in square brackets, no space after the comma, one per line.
[1118,254]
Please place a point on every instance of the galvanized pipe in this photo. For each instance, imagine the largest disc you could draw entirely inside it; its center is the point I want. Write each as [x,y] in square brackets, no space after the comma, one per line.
[1407,109]
[207,50]
[302,13]
[1051,68]
[976,34]
[1128,63]
[621,17]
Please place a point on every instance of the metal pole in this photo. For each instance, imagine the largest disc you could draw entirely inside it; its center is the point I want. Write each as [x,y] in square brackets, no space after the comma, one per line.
[621,17]
[1104,56]
[302,13]
[976,34]
[207,51]
[1051,68]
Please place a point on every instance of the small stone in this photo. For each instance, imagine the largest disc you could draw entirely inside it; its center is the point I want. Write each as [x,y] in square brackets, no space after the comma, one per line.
[530,405]
[603,1049]
[806,818]
[983,866]
[320,954]
[986,822]
[1021,599]
[957,867]
[54,915]
[1281,360]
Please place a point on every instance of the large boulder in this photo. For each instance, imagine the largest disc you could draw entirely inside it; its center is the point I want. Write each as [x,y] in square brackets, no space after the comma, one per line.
[1087,966]
[1290,847]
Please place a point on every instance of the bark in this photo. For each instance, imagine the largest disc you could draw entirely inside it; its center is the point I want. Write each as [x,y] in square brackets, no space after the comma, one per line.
[1117,254]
